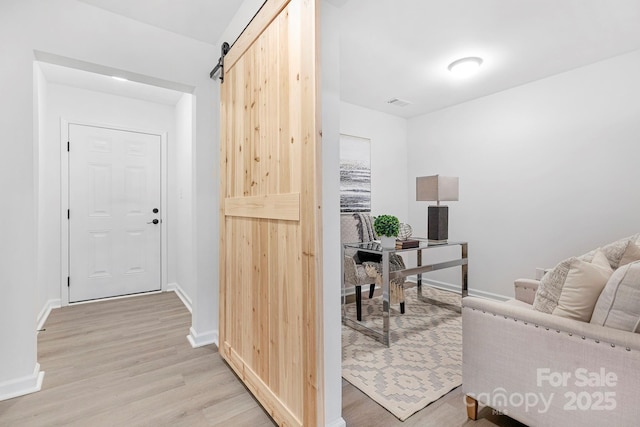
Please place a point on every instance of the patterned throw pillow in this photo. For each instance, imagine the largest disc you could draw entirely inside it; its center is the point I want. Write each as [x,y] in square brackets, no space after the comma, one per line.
[572,288]
[631,254]
[614,252]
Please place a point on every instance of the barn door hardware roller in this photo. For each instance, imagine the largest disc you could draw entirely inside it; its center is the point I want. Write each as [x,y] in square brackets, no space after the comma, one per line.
[220,65]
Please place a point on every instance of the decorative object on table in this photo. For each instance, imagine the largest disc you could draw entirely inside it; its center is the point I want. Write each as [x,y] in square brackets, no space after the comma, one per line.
[423,364]
[387,228]
[355,174]
[405,231]
[407,244]
[439,189]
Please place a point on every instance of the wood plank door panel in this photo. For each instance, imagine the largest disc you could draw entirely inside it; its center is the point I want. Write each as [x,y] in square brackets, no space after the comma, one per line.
[270,265]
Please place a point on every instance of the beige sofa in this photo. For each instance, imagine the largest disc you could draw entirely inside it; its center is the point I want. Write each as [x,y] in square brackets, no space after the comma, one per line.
[546,370]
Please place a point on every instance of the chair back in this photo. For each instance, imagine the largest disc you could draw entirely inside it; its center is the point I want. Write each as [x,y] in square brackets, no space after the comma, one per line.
[356,227]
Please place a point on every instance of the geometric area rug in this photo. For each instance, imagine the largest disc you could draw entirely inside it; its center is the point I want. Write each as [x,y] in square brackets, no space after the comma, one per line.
[424,360]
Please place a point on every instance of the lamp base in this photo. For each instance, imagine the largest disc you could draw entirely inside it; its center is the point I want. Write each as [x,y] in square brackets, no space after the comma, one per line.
[438,225]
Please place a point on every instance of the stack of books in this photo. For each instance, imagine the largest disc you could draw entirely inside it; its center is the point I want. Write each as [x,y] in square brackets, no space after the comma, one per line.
[406,244]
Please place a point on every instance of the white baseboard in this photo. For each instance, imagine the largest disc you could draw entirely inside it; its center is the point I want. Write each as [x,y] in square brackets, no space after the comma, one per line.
[181,294]
[46,310]
[202,339]
[21,386]
[488,295]
[456,288]
[194,338]
[340,422]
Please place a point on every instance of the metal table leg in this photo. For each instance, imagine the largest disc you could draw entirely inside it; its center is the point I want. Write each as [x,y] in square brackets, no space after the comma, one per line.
[465,254]
[419,264]
[385,298]
[344,291]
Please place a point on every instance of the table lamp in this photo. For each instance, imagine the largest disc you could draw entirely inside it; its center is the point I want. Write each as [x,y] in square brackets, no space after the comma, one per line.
[437,188]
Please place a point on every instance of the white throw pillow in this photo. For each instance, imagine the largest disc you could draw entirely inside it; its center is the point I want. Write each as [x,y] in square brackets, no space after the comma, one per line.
[619,303]
[582,287]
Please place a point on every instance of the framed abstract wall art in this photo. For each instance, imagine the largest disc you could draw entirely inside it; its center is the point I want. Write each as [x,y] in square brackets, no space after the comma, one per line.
[355,174]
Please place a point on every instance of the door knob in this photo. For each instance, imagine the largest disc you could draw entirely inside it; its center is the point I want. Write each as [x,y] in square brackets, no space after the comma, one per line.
[155,210]
[155,221]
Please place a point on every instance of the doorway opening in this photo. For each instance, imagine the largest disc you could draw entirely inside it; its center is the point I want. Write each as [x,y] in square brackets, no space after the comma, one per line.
[68,97]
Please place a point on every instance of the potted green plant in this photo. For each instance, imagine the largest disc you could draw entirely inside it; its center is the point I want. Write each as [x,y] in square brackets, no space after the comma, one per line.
[387,227]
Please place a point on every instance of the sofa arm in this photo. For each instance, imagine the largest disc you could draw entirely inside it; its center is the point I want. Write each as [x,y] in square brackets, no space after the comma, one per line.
[511,353]
[558,324]
[526,289]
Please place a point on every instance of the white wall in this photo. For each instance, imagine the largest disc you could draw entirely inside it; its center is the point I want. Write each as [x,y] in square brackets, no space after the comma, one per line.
[388,135]
[87,36]
[41,87]
[182,240]
[547,170]
[18,269]
[242,17]
[330,98]
[84,106]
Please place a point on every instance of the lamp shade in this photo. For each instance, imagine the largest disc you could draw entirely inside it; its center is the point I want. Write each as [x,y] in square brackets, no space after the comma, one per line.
[436,188]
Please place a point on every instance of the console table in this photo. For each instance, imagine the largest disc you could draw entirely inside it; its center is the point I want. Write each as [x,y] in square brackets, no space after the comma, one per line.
[374,247]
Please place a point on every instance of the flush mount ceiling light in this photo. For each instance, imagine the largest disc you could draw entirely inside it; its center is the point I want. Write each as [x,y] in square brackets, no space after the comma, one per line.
[465,67]
[120,79]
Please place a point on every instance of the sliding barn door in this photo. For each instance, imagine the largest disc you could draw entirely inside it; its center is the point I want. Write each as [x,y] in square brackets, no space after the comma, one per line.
[270,274]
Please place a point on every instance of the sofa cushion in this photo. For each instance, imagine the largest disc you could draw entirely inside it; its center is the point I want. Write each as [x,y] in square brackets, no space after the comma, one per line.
[619,303]
[571,289]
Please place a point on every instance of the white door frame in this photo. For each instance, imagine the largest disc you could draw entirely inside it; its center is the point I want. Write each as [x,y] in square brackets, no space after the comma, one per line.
[64,200]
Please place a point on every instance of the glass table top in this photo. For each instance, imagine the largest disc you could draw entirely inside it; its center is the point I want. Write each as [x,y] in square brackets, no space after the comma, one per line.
[423,243]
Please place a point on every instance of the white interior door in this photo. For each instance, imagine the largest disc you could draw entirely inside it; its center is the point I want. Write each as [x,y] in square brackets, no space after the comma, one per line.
[114,199]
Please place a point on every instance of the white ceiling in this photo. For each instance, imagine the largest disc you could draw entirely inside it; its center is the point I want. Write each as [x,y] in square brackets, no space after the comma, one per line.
[58,74]
[203,20]
[401,48]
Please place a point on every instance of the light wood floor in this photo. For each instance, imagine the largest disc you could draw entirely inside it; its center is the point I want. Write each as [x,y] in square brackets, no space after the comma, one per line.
[448,411]
[127,362]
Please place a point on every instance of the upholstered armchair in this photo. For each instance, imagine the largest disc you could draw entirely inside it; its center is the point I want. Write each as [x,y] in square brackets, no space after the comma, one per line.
[360,268]
[355,228]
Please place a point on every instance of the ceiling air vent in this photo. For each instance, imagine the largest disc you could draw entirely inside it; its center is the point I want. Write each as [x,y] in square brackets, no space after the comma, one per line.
[398,102]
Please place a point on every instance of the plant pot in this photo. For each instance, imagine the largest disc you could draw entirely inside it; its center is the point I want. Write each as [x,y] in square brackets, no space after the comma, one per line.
[388,242]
